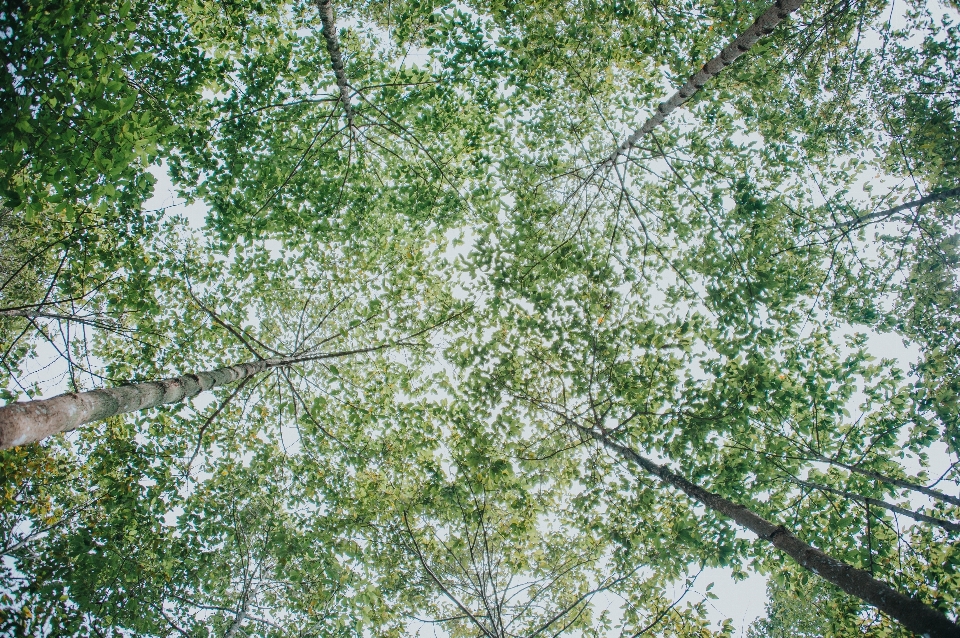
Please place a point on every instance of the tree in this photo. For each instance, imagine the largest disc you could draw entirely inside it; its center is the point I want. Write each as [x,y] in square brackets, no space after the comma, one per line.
[534,346]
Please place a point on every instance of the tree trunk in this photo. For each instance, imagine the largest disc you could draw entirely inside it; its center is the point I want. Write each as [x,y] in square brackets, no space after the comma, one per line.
[241,616]
[764,25]
[913,614]
[32,421]
[333,48]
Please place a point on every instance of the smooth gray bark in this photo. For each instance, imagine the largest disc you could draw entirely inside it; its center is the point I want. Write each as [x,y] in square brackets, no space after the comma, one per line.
[913,614]
[764,25]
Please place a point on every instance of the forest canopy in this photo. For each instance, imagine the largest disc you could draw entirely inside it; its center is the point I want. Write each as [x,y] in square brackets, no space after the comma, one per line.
[504,319]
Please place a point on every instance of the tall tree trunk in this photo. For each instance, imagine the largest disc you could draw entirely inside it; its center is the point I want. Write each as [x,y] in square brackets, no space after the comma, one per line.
[31,421]
[913,614]
[764,25]
[333,48]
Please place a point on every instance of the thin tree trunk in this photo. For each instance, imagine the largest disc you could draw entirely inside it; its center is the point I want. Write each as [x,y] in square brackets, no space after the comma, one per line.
[333,48]
[764,25]
[31,421]
[938,196]
[946,498]
[913,614]
[917,516]
[240,617]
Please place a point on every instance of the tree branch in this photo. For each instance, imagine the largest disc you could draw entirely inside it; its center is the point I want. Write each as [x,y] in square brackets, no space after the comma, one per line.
[937,196]
[440,584]
[917,516]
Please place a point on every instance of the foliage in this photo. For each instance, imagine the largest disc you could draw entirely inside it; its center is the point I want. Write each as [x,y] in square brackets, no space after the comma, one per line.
[464,287]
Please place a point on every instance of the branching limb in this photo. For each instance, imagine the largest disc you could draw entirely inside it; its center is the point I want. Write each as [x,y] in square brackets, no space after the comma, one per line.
[206,424]
[883,215]
[436,579]
[917,516]
[940,496]
[913,613]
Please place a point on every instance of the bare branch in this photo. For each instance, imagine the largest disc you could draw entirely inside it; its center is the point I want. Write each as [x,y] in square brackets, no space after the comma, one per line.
[443,588]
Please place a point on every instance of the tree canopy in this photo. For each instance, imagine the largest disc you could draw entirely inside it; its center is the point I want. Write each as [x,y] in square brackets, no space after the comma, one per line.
[505,319]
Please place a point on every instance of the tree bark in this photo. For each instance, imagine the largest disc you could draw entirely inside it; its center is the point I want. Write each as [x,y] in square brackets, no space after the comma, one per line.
[764,25]
[333,48]
[31,421]
[913,614]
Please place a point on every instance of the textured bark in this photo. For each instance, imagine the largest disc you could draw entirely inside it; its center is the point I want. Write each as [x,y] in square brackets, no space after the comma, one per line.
[764,25]
[913,614]
[336,59]
[31,421]
[938,196]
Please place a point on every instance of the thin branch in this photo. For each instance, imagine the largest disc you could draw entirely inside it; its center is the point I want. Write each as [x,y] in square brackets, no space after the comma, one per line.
[443,588]
[92,320]
[203,428]
[937,196]
[892,481]
[917,516]
[216,319]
